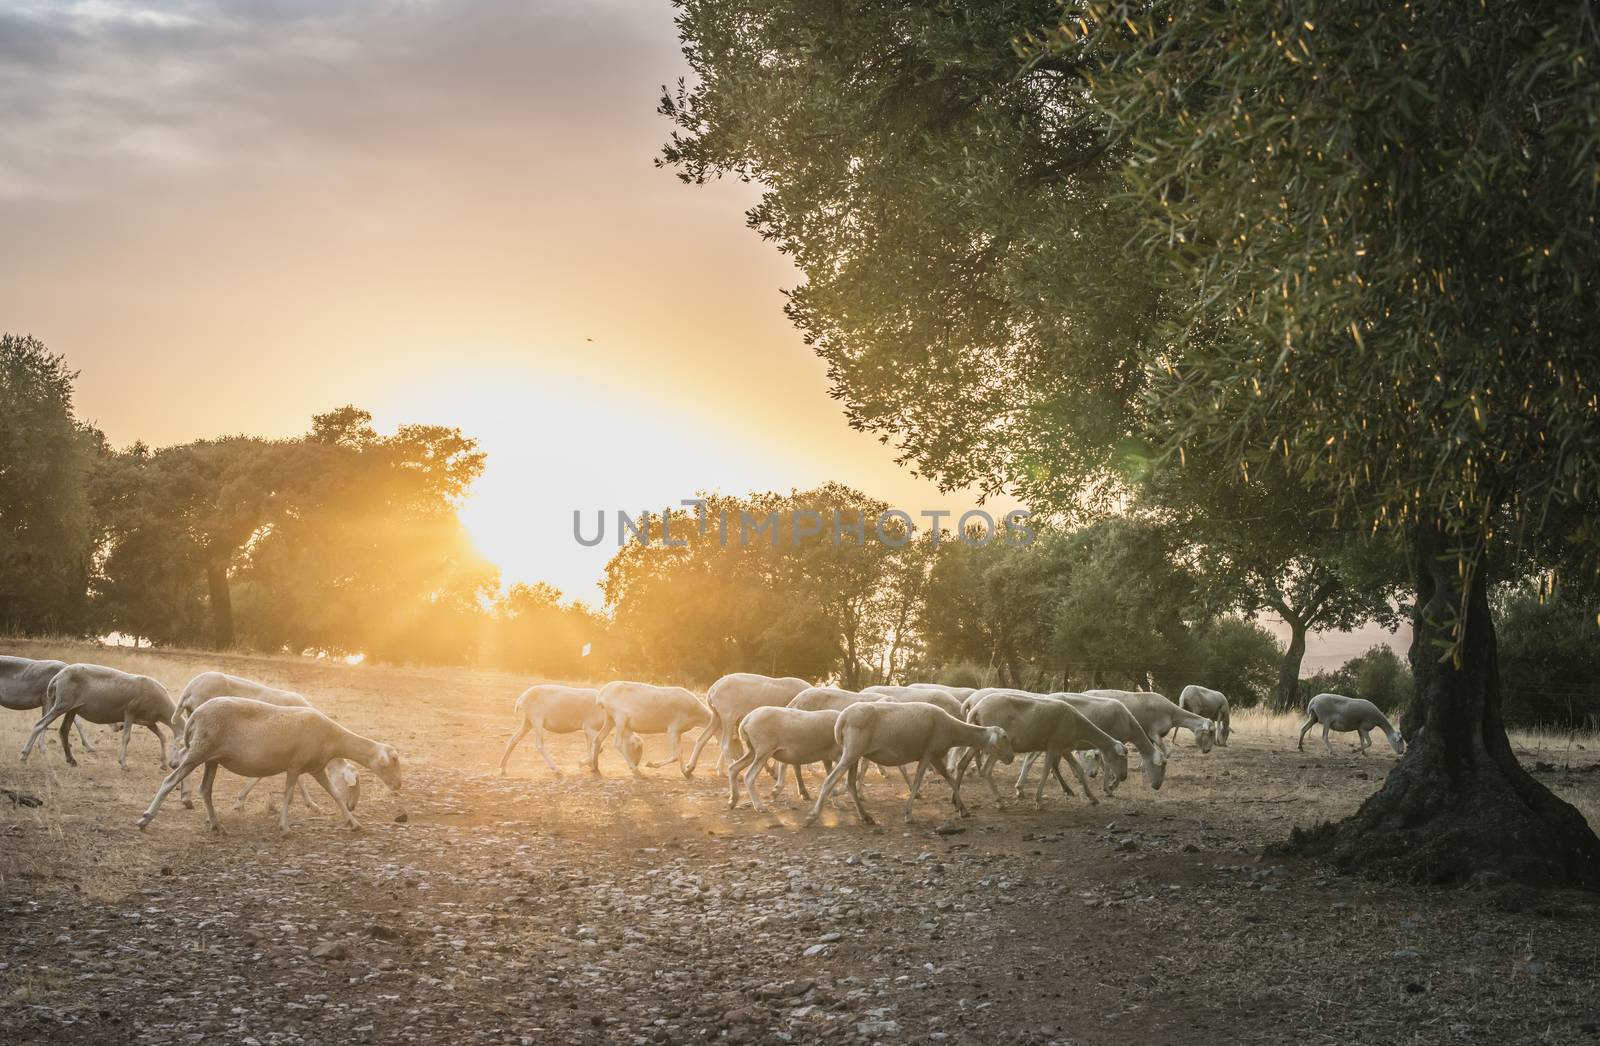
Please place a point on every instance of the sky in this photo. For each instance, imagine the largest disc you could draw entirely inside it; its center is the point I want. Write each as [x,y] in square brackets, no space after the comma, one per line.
[232,216]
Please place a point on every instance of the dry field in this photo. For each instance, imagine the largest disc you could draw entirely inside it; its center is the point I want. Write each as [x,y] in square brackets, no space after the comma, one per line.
[538,908]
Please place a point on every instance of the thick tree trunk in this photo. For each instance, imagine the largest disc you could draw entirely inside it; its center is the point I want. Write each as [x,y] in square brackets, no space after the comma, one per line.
[1286,697]
[1458,806]
[221,606]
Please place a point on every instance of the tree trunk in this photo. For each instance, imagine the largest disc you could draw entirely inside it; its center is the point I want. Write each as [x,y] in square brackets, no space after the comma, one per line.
[1458,806]
[1286,697]
[221,605]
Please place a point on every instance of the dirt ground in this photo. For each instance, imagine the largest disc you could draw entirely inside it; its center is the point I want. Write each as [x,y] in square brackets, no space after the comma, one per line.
[538,908]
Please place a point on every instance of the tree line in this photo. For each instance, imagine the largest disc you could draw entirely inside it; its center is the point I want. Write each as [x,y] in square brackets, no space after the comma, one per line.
[346,542]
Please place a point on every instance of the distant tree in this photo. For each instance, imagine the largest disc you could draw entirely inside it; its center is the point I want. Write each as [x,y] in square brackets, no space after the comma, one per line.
[1239,658]
[1550,653]
[535,631]
[46,526]
[1262,550]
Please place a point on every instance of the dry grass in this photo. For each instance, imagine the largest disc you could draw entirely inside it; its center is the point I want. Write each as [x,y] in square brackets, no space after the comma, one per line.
[472,882]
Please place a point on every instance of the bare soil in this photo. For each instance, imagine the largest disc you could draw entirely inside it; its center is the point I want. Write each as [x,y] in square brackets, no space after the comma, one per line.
[538,908]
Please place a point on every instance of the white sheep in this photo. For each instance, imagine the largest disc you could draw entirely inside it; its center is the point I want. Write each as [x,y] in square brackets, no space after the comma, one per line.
[642,708]
[1116,719]
[255,739]
[208,685]
[105,695]
[1054,728]
[932,695]
[791,736]
[1212,704]
[814,698]
[894,734]
[23,682]
[1158,715]
[560,710]
[1337,712]
[735,696]
[960,693]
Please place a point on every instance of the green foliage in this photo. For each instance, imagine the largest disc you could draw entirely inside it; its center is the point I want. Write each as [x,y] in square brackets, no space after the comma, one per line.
[1393,304]
[1550,655]
[46,529]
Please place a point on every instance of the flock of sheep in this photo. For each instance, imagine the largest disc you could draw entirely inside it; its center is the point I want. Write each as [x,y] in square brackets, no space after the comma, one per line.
[760,720]
[258,731]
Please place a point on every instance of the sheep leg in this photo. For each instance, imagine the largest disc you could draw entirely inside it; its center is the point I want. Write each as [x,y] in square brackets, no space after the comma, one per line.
[757,761]
[922,768]
[1055,769]
[1077,771]
[1366,742]
[238,800]
[777,782]
[522,731]
[1310,722]
[206,782]
[171,781]
[729,739]
[1325,740]
[50,715]
[828,785]
[955,788]
[290,779]
[855,792]
[907,779]
[598,739]
[321,776]
[305,796]
[66,737]
[675,747]
[700,743]
[1022,775]
[800,781]
[538,744]
[734,771]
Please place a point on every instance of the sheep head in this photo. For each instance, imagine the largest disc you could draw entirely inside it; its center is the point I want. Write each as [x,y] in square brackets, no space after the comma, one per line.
[387,766]
[996,743]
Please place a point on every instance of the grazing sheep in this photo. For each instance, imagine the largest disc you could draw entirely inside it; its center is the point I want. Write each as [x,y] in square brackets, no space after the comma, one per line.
[558,709]
[208,685]
[105,695]
[893,734]
[1116,719]
[735,696]
[1212,704]
[23,682]
[255,739]
[642,708]
[1337,712]
[791,736]
[1158,715]
[1055,728]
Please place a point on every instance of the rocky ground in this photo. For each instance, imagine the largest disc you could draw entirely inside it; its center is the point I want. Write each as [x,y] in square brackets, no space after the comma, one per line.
[539,908]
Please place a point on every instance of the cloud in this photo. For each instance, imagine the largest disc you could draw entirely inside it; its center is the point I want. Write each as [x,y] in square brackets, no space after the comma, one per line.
[102,96]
